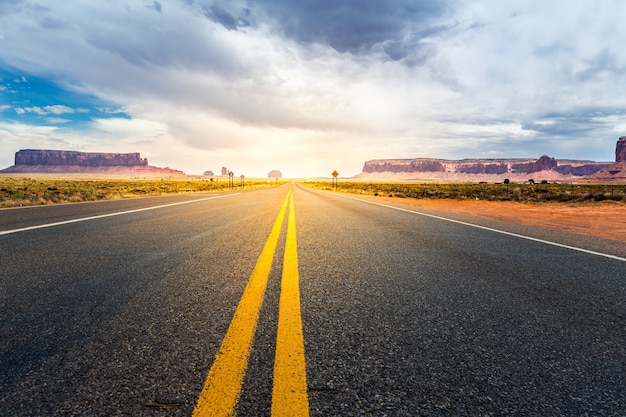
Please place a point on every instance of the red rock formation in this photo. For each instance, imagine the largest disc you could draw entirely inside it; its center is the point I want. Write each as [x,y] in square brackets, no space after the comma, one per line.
[478,168]
[91,159]
[61,162]
[275,174]
[544,163]
[620,150]
[404,165]
[616,171]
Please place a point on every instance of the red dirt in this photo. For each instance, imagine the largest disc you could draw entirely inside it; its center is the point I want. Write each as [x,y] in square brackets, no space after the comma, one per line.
[604,220]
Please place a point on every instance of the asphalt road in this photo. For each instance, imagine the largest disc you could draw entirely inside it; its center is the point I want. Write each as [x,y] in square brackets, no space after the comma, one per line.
[123,313]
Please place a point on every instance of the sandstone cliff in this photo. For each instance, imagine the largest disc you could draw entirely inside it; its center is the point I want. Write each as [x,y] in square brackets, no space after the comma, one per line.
[617,170]
[86,159]
[620,150]
[479,169]
[56,161]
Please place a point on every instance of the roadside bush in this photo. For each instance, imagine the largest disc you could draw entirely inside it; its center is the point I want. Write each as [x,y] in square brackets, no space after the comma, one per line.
[16,191]
[544,192]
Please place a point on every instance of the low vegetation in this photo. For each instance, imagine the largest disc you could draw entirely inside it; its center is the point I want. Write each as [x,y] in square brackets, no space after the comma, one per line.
[17,191]
[527,192]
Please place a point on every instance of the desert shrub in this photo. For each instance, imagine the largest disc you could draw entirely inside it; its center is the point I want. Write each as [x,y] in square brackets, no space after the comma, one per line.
[15,191]
[595,196]
[559,193]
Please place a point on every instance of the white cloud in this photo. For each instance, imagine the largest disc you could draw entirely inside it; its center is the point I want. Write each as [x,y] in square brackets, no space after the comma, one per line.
[16,136]
[58,109]
[43,111]
[36,110]
[57,120]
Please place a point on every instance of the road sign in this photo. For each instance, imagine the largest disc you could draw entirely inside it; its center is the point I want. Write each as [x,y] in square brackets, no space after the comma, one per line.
[335,179]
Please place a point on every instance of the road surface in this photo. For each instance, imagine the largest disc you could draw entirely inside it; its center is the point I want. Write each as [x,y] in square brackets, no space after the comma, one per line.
[293,301]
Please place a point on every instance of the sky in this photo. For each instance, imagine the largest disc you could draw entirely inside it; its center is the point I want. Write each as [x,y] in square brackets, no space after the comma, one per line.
[307,87]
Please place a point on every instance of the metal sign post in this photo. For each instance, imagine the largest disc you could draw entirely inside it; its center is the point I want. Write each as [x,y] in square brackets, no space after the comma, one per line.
[230,180]
[335,179]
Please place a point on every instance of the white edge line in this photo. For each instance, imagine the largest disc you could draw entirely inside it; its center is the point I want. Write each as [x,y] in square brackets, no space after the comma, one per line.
[101,216]
[534,239]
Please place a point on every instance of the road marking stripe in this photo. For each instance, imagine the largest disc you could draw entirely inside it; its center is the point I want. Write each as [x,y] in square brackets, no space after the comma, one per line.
[222,387]
[101,216]
[289,395]
[534,239]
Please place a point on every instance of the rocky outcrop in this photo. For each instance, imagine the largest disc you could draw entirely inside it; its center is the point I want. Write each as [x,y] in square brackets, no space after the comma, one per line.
[544,163]
[579,170]
[617,170]
[84,159]
[620,150]
[275,174]
[482,168]
[60,162]
[478,169]
[404,165]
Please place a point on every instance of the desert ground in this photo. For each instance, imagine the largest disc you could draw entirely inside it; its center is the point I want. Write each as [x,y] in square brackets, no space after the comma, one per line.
[605,220]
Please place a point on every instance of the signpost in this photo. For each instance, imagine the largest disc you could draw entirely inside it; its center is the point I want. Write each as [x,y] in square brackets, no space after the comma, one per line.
[230,180]
[335,174]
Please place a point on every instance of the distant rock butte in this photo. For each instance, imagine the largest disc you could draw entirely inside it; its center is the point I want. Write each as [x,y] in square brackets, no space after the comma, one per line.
[91,159]
[275,174]
[55,161]
[616,171]
[620,150]
[478,169]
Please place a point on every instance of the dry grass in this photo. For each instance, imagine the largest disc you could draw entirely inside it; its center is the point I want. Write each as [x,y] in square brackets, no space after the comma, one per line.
[536,193]
[22,191]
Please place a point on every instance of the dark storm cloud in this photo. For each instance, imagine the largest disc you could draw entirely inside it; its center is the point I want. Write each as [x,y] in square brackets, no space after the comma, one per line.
[563,126]
[602,64]
[571,124]
[224,17]
[6,5]
[354,26]
[156,6]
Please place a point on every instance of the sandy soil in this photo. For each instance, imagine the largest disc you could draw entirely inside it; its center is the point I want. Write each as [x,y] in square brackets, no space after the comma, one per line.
[604,220]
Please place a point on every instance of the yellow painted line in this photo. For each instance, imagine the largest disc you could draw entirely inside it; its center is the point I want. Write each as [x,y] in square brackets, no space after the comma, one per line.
[222,387]
[289,395]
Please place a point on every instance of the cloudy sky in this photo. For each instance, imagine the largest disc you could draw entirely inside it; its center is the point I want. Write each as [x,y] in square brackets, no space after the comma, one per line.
[311,86]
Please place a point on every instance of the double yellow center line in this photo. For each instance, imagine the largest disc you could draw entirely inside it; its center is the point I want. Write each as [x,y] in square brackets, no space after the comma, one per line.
[222,387]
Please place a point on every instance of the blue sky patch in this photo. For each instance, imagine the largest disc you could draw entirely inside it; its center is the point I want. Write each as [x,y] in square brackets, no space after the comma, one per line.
[32,100]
